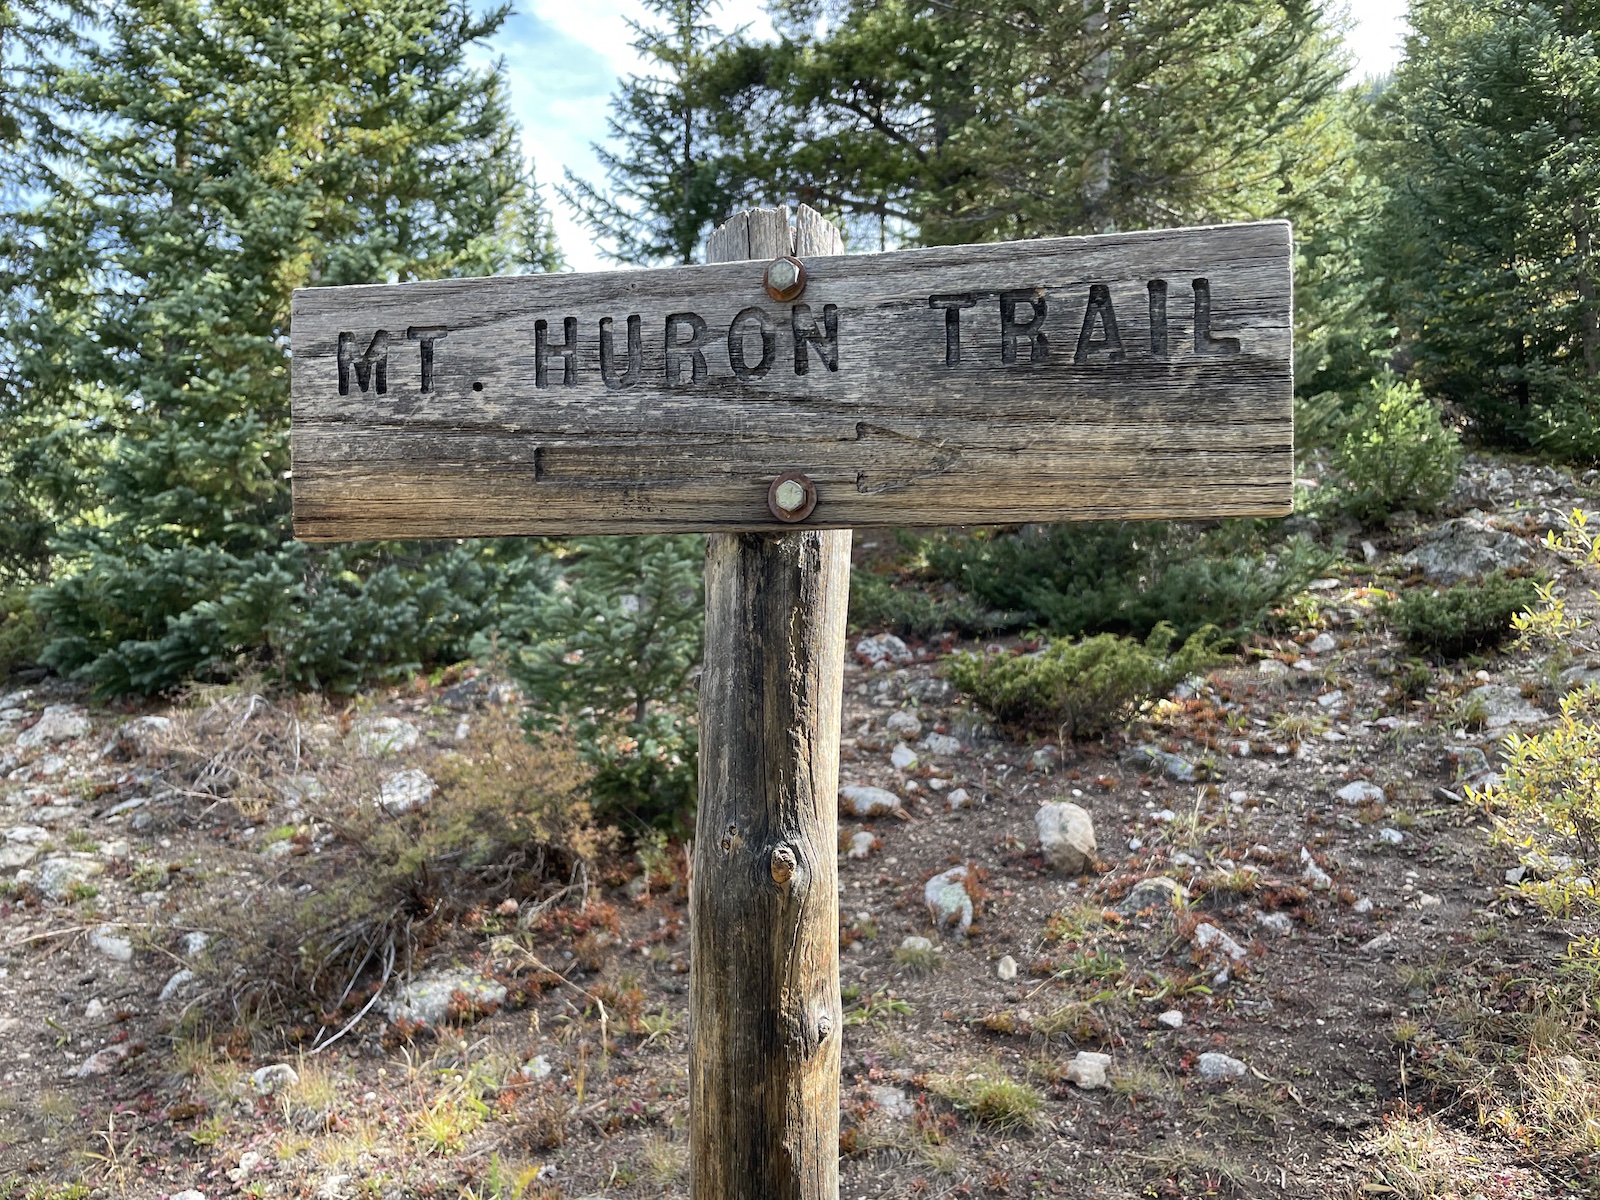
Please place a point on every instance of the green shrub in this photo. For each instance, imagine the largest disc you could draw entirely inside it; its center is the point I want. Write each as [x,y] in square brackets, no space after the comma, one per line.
[611,652]
[1128,578]
[1080,688]
[1463,619]
[1396,452]
[878,603]
[1549,797]
[20,633]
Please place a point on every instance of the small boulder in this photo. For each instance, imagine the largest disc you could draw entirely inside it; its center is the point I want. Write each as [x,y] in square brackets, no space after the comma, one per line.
[1278,924]
[1066,836]
[378,737]
[916,944]
[58,876]
[1465,548]
[948,900]
[109,941]
[270,1080]
[941,745]
[1361,792]
[1090,1070]
[1214,1065]
[1006,969]
[1174,766]
[59,723]
[1323,643]
[904,724]
[883,650]
[142,737]
[104,1061]
[1504,706]
[1172,1019]
[405,790]
[891,1102]
[1313,874]
[958,799]
[903,757]
[861,801]
[860,845]
[175,984]
[430,1000]
[1211,939]
[1158,891]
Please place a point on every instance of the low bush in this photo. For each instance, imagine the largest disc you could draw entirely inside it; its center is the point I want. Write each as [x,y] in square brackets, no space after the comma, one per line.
[1395,452]
[21,635]
[1081,688]
[1466,618]
[1548,802]
[879,604]
[511,819]
[612,653]
[1128,578]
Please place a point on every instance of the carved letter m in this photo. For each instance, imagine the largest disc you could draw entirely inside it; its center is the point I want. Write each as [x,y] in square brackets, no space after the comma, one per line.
[371,367]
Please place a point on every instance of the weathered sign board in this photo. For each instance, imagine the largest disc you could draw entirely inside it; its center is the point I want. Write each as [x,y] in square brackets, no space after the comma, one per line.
[1118,376]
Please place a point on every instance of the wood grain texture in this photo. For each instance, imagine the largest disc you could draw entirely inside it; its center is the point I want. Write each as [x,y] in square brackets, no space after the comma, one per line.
[765,1020]
[1190,416]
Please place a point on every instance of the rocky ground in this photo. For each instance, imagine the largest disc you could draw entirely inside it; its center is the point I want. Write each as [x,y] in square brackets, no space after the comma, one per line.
[1186,962]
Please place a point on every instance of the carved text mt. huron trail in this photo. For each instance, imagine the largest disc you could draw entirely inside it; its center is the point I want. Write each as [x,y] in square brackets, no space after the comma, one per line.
[753,335]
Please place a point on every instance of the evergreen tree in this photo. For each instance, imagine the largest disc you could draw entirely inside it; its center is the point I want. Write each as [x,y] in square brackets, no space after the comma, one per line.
[212,156]
[672,176]
[1486,244]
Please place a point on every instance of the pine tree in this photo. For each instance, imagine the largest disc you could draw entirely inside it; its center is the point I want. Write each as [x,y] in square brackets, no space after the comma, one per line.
[213,156]
[1486,244]
[672,175]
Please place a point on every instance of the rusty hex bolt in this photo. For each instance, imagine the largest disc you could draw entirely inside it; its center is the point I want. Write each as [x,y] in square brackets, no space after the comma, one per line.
[792,496]
[786,278]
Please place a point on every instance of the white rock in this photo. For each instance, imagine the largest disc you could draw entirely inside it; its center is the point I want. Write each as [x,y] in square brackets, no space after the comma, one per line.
[115,850]
[948,901]
[860,844]
[1279,924]
[60,723]
[1516,874]
[863,801]
[103,1062]
[1090,1070]
[1361,792]
[95,1010]
[58,876]
[1331,700]
[1363,905]
[1163,816]
[1391,837]
[335,1187]
[1505,706]
[16,854]
[270,1080]
[31,834]
[941,745]
[175,984]
[1465,548]
[1209,937]
[1066,836]
[1044,760]
[1313,874]
[891,1102]
[904,724]
[1323,643]
[194,942]
[1377,945]
[108,940]
[917,945]
[1220,1066]
[1172,1019]
[884,649]
[404,791]
[958,799]
[187,1194]
[903,757]
[427,1000]
[380,736]
[1006,969]
[1272,666]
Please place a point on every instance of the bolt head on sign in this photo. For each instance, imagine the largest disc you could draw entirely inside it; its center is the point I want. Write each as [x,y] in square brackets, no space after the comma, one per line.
[1120,376]
[792,497]
[786,278]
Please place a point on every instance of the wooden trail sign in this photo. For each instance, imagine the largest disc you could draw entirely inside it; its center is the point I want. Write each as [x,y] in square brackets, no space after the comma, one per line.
[1132,375]
[1121,376]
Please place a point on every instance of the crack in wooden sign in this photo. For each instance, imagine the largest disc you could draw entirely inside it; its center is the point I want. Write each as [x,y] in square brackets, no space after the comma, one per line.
[1124,375]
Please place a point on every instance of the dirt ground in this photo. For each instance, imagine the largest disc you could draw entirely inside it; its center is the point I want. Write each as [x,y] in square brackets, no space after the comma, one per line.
[1347,922]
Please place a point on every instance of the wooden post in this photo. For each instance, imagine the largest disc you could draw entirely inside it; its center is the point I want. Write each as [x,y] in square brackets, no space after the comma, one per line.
[764,910]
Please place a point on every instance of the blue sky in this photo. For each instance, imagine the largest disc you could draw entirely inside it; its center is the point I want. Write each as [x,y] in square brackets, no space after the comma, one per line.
[564,58]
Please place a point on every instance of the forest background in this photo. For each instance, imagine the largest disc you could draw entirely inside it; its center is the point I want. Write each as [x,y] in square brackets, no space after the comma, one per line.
[173,169]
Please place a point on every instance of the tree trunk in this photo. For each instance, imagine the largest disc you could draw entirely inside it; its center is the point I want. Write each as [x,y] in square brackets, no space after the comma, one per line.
[765,1020]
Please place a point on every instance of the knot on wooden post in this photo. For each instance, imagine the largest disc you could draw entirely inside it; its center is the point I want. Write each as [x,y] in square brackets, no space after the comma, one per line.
[783,864]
